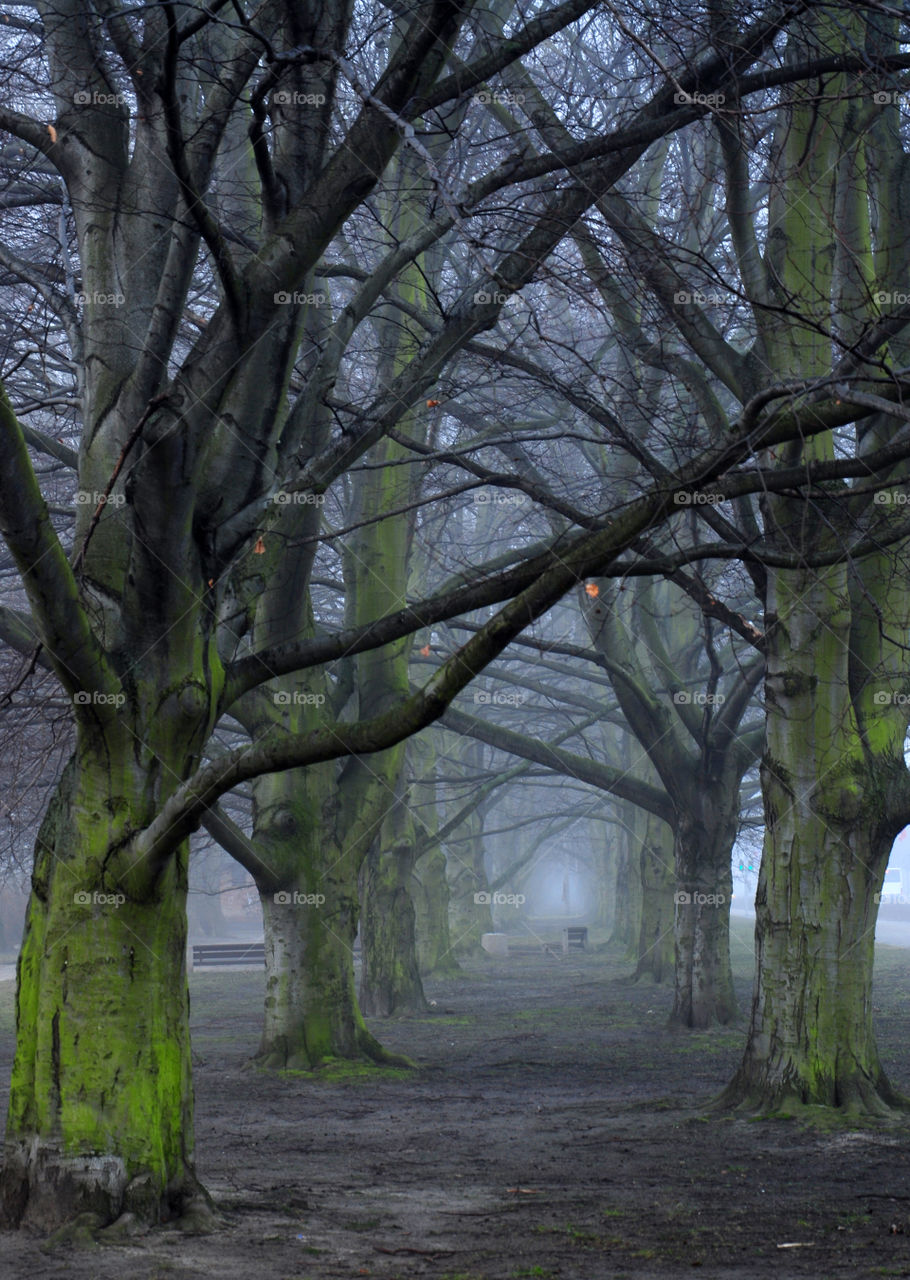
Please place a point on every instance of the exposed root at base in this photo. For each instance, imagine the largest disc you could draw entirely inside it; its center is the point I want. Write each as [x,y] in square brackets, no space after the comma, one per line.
[368,1051]
[858,1103]
[89,1230]
[81,1233]
[377,1053]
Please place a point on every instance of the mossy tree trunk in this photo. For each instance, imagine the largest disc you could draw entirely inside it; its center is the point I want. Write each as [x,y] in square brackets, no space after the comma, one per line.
[390,978]
[658,881]
[830,812]
[100,1118]
[312,829]
[834,779]
[311,1010]
[703,843]
[430,895]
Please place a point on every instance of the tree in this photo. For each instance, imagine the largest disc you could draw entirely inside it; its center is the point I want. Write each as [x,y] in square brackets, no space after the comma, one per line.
[833,773]
[139,628]
[685,703]
[187,343]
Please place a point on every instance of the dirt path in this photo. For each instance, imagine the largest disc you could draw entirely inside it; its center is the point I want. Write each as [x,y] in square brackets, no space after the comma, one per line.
[555,1129]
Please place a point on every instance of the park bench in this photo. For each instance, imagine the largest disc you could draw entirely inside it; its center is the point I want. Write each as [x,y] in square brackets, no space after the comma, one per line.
[575,938]
[206,954]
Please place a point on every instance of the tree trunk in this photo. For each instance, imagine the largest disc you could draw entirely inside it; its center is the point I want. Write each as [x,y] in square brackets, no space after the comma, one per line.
[101,1102]
[811,1040]
[704,980]
[603,850]
[470,916]
[655,938]
[390,978]
[827,841]
[627,893]
[311,1010]
[430,895]
[833,768]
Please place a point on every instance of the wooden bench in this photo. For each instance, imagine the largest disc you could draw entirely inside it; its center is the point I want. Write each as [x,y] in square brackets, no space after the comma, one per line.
[575,938]
[207,954]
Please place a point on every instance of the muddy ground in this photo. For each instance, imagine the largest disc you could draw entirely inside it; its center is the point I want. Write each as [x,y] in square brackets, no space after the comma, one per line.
[553,1129]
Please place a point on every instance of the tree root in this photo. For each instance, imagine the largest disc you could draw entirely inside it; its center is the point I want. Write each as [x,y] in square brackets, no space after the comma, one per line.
[848,1103]
[367,1050]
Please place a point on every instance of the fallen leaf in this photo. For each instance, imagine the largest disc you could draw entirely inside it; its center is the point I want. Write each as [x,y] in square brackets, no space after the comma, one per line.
[259,549]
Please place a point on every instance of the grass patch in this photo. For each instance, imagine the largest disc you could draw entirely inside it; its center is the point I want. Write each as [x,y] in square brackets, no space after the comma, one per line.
[339,1071]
